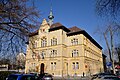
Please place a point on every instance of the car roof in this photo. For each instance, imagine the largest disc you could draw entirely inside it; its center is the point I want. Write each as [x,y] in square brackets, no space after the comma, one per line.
[15,74]
[21,74]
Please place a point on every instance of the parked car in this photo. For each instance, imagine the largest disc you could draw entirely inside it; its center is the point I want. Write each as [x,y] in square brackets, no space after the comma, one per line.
[118,74]
[107,77]
[45,76]
[99,75]
[21,77]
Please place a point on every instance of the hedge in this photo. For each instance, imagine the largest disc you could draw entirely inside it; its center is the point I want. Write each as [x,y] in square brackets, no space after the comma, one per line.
[4,74]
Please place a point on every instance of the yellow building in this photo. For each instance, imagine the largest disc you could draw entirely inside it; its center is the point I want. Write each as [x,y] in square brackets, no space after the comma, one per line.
[62,51]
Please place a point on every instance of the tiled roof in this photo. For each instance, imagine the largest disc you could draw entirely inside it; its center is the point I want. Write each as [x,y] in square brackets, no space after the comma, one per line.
[33,33]
[52,26]
[56,25]
[74,29]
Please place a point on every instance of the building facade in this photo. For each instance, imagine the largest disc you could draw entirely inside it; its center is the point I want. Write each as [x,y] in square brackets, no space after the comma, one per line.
[62,51]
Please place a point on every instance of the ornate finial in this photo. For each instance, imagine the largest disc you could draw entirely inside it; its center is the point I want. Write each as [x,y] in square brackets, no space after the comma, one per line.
[51,16]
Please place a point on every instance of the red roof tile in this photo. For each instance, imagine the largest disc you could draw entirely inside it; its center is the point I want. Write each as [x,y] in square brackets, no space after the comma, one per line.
[74,29]
[56,25]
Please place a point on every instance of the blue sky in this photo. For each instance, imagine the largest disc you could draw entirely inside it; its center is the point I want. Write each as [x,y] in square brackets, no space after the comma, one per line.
[80,13]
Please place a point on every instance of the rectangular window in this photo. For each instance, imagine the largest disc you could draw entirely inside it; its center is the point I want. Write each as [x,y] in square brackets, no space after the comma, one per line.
[75,53]
[51,65]
[77,65]
[54,65]
[54,41]
[43,42]
[73,65]
[74,41]
[53,53]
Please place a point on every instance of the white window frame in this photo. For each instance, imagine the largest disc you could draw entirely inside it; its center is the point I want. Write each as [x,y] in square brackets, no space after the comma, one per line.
[75,53]
[43,42]
[53,65]
[53,53]
[74,41]
[75,65]
[53,41]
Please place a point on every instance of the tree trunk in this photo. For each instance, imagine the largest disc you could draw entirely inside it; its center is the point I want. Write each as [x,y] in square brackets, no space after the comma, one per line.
[112,50]
[108,46]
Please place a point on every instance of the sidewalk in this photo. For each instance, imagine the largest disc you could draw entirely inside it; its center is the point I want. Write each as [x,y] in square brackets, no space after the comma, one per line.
[72,78]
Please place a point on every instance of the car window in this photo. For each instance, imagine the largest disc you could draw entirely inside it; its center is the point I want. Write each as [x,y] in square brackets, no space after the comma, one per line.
[27,78]
[114,78]
[12,77]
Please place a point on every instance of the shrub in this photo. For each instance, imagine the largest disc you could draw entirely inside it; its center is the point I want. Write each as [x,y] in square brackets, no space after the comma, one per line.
[4,74]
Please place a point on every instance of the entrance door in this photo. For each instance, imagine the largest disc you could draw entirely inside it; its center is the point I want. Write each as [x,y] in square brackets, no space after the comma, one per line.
[42,68]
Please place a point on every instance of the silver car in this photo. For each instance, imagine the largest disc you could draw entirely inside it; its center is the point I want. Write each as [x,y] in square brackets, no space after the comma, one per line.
[107,77]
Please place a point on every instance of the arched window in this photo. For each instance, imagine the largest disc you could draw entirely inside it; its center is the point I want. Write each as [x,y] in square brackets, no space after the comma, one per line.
[74,41]
[54,41]
[75,53]
[43,42]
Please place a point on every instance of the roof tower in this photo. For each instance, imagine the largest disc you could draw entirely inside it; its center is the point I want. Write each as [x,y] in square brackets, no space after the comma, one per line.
[51,17]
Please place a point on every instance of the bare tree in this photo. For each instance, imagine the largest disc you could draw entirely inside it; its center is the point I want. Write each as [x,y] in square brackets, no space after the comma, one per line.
[108,8]
[110,35]
[17,19]
[117,50]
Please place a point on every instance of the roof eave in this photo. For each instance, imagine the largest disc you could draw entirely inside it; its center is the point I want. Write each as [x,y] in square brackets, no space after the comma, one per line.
[59,27]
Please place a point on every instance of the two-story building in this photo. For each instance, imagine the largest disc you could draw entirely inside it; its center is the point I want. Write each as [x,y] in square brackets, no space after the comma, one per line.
[62,51]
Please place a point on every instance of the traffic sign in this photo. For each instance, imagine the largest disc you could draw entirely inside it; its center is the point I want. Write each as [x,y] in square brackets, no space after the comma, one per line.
[109,64]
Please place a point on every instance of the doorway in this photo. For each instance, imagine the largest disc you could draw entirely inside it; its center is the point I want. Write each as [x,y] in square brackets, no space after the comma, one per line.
[42,68]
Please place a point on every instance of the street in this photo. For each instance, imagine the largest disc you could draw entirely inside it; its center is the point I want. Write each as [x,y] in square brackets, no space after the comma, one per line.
[72,78]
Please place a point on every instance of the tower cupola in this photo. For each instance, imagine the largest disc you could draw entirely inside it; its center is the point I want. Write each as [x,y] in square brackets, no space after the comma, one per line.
[51,17]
